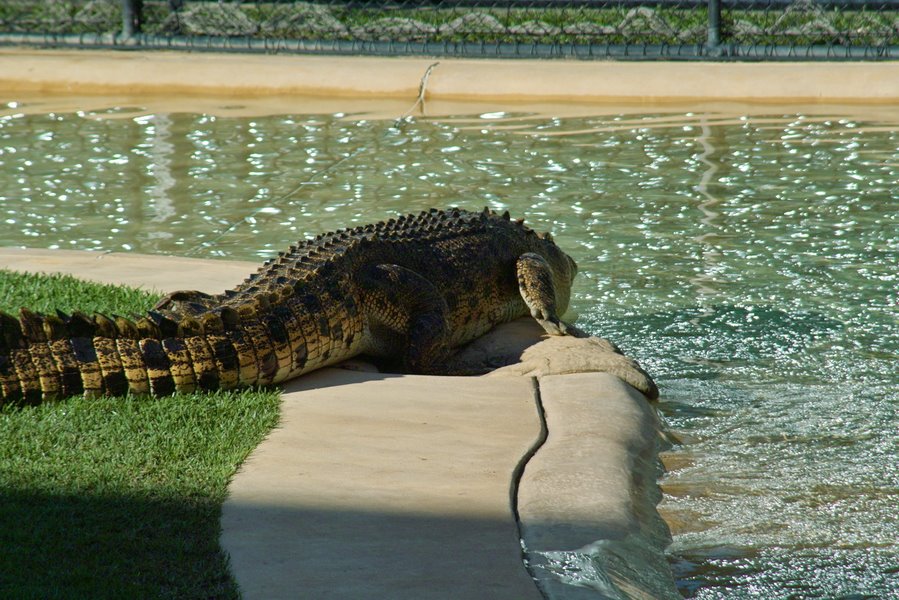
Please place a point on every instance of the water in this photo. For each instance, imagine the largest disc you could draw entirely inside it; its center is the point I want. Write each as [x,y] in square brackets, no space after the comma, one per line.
[749,261]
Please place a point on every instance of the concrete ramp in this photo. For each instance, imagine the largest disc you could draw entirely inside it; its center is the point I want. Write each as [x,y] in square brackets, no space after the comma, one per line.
[382,486]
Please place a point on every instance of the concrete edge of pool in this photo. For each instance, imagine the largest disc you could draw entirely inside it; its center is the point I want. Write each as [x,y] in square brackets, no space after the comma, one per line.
[386,486]
[231,74]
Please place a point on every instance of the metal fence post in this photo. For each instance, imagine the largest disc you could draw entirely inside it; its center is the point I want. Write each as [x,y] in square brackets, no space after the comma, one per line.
[131,17]
[713,41]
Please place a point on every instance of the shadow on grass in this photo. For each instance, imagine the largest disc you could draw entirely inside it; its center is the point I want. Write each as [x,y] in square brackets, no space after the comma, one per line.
[87,546]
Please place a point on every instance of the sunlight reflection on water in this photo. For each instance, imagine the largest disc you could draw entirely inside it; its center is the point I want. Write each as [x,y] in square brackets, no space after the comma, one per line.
[748,261]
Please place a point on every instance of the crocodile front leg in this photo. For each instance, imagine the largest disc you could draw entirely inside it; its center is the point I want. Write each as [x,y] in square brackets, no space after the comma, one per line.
[535,282]
[186,302]
[407,316]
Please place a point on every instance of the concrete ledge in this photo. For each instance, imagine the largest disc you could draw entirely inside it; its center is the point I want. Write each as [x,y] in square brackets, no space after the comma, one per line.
[142,271]
[587,498]
[142,72]
[386,486]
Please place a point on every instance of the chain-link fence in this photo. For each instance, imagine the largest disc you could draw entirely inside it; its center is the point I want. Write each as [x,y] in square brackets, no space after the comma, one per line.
[640,29]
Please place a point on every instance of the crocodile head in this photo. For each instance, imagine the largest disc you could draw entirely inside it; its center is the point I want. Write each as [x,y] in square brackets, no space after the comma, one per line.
[563,266]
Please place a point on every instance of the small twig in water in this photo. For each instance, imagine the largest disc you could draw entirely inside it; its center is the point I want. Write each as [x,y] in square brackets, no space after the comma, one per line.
[420,101]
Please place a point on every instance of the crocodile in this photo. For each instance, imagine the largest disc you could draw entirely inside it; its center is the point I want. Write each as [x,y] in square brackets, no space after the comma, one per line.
[411,290]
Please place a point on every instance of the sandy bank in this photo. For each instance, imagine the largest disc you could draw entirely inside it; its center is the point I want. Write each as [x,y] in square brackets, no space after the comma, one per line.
[149,72]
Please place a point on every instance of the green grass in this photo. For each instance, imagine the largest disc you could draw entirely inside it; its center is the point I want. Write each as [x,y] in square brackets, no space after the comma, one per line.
[118,497]
[46,293]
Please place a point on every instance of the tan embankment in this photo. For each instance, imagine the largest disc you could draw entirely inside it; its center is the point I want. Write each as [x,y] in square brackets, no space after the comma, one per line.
[142,72]
[385,486]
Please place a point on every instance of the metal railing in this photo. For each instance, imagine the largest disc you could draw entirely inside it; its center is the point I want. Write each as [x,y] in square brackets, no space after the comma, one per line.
[622,29]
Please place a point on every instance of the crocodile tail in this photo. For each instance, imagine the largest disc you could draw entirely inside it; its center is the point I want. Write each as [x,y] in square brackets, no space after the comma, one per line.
[45,357]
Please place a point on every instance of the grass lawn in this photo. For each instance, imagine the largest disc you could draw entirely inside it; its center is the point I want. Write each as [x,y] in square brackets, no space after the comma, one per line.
[118,497]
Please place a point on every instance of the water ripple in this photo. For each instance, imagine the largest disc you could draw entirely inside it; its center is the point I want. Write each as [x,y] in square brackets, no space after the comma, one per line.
[748,261]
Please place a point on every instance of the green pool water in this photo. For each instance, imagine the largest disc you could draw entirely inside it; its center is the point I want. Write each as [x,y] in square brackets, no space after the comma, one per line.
[749,262]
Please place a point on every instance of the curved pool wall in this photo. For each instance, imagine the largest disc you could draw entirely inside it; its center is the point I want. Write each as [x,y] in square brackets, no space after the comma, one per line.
[744,253]
[142,72]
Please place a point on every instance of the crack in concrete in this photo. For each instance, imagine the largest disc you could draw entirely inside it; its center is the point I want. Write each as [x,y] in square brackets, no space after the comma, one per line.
[517,475]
